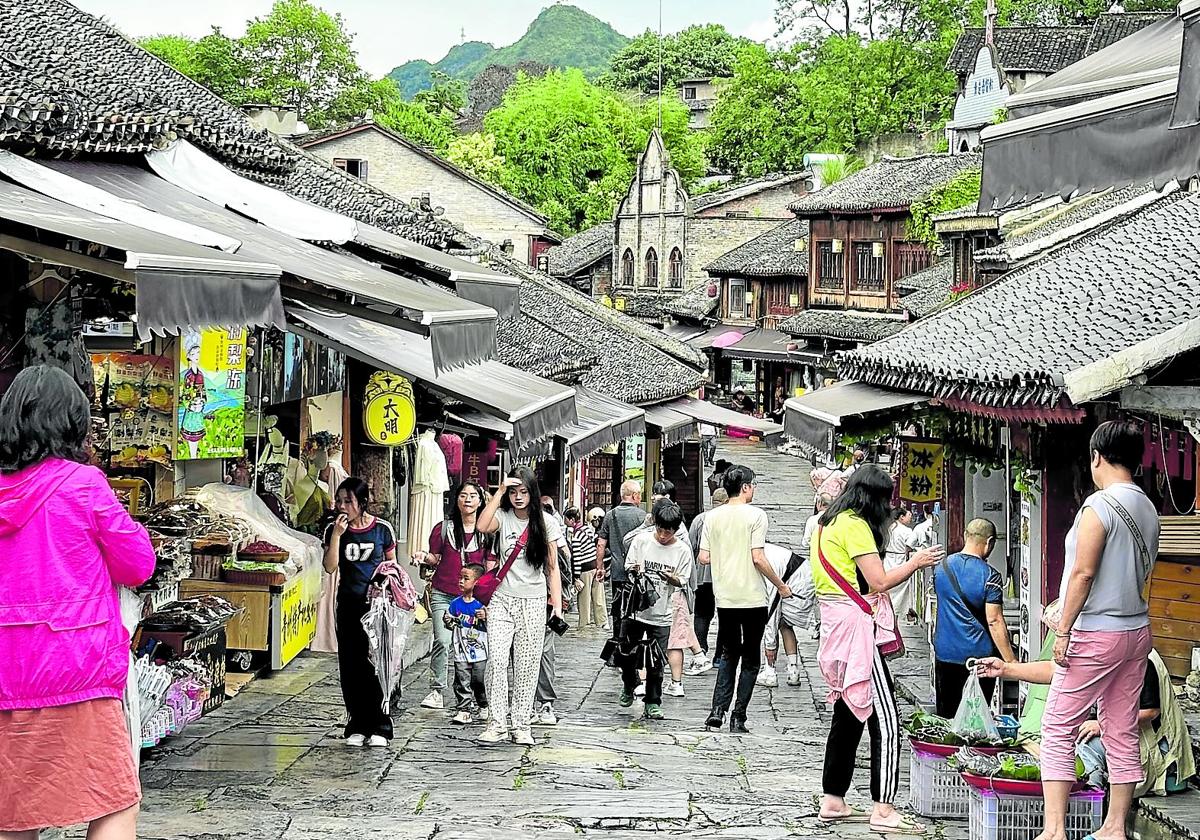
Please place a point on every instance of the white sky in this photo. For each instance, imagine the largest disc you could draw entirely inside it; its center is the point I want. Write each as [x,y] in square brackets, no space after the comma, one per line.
[389,33]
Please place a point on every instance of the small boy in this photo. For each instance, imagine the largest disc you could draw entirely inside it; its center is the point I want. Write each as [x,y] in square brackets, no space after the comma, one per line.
[467,618]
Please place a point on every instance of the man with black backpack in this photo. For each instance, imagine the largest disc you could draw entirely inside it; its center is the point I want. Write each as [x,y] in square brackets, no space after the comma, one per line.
[970,616]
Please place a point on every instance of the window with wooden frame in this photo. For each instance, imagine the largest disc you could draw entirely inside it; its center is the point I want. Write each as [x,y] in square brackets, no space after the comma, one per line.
[651,278]
[675,269]
[831,273]
[689,93]
[870,273]
[737,297]
[627,268]
[352,166]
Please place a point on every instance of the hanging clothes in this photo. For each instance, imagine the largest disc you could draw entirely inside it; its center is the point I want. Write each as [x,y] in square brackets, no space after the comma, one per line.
[452,447]
[430,482]
[326,639]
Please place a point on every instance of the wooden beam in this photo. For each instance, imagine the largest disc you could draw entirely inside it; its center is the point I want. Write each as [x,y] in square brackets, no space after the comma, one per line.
[71,259]
[1165,399]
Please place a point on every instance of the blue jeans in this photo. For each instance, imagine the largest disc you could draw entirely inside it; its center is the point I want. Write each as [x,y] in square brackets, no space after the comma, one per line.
[439,657]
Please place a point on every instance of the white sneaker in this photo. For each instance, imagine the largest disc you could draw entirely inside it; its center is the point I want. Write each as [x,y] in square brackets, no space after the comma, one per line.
[767,678]
[493,734]
[523,737]
[546,716]
[355,740]
[377,741]
[640,691]
[793,675]
[675,689]
[433,700]
[699,665]
[484,715]
[463,718]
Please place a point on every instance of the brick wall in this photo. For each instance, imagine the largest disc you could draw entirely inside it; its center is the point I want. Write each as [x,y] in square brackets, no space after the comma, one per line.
[772,203]
[662,232]
[398,170]
[709,238]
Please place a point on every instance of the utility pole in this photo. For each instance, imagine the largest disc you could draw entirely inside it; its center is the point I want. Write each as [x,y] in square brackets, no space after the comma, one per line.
[660,63]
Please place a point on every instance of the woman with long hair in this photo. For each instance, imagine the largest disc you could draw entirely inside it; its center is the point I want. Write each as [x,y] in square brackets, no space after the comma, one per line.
[356,542]
[527,544]
[453,544]
[66,544]
[856,617]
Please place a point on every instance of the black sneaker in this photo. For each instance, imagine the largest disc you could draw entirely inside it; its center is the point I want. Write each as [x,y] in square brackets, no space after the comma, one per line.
[715,719]
[737,725]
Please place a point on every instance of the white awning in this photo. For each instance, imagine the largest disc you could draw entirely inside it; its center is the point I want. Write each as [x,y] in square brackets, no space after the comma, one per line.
[815,417]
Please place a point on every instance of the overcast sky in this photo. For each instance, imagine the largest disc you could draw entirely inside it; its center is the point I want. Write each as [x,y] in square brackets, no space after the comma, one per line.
[389,33]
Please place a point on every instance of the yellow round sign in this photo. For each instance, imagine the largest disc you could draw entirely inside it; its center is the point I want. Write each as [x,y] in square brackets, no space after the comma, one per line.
[389,409]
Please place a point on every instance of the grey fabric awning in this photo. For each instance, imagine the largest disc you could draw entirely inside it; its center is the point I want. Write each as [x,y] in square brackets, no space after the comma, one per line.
[178,284]
[602,420]
[534,406]
[707,412]
[673,427]
[764,345]
[461,332]
[814,418]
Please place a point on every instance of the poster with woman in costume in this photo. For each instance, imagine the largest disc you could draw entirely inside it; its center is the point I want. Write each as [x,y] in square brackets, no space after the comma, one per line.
[212,394]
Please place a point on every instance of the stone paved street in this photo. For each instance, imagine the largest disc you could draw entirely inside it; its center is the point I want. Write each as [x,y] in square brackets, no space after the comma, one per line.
[271,763]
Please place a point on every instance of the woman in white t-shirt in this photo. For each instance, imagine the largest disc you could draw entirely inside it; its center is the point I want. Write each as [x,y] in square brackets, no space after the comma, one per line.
[517,612]
[899,548]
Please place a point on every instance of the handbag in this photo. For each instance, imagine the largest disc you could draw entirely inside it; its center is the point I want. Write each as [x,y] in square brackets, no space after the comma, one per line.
[889,649]
[490,581]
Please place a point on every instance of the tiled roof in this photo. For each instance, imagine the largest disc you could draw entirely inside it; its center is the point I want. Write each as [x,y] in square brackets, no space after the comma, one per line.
[891,183]
[742,189]
[581,251]
[1022,340]
[316,138]
[1110,28]
[1032,49]
[842,324]
[926,290]
[772,254]
[695,304]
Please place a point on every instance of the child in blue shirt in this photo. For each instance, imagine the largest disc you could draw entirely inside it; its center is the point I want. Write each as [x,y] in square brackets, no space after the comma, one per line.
[467,619]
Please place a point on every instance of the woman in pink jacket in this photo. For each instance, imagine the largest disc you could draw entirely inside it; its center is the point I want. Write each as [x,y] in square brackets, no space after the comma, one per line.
[66,544]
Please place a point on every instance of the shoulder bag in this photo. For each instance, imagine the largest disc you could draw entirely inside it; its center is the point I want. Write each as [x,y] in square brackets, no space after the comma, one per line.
[978,614]
[892,647]
[1145,561]
[490,581]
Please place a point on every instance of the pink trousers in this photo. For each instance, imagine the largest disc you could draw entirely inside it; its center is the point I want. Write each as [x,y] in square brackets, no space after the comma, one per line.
[1105,668]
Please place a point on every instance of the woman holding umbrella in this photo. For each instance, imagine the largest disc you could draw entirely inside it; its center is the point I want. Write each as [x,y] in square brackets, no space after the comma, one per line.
[355,544]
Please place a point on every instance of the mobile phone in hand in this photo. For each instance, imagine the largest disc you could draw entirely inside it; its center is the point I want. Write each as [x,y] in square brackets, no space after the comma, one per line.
[557,625]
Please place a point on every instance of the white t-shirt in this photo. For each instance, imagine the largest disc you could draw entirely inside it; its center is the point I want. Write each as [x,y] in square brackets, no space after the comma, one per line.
[648,554]
[810,528]
[1116,601]
[900,540]
[731,532]
[523,580]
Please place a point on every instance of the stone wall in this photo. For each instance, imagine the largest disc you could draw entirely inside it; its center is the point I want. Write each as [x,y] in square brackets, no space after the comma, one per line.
[663,232]
[768,204]
[709,238]
[398,170]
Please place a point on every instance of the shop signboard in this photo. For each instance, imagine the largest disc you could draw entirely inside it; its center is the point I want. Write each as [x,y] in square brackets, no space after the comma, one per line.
[922,471]
[635,457]
[297,621]
[211,419]
[140,392]
[389,409]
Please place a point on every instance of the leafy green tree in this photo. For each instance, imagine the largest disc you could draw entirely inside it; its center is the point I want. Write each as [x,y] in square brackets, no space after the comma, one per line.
[214,61]
[701,51]
[476,153]
[1059,12]
[569,146]
[418,125]
[447,97]
[301,56]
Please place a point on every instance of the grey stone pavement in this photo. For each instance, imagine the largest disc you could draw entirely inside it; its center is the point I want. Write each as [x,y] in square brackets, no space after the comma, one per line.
[271,764]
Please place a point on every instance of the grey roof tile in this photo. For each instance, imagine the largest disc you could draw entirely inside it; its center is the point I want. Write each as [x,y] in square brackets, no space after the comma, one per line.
[842,324]
[742,189]
[1033,49]
[581,251]
[696,304]
[926,291]
[771,254]
[1110,28]
[891,183]
[1013,342]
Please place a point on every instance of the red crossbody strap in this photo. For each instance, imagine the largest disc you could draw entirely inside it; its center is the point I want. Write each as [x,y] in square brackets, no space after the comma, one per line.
[844,585]
[512,555]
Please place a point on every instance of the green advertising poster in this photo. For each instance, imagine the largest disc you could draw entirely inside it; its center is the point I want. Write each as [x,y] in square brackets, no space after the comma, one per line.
[635,457]
[212,394]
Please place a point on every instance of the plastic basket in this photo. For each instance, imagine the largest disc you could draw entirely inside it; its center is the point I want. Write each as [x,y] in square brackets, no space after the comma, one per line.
[998,816]
[935,788]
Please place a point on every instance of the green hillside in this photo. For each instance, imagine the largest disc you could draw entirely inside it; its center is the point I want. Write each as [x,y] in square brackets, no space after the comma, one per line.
[561,36]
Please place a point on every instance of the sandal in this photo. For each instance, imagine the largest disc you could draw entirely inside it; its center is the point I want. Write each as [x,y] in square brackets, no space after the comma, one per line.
[906,825]
[852,815]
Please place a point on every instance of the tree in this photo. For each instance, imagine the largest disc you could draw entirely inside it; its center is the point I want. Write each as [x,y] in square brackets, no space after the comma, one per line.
[447,97]
[214,61]
[569,146]
[702,51]
[301,56]
[476,153]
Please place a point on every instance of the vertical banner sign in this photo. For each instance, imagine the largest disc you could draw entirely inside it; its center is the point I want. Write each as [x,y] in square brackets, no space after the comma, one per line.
[921,471]
[212,394]
[635,457]
[1027,650]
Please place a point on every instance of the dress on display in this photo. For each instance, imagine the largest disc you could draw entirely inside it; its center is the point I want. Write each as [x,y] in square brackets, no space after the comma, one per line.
[429,483]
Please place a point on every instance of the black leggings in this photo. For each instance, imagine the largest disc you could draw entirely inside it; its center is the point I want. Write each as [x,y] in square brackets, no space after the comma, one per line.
[739,641]
[706,608]
[846,731]
[949,679]
[361,691]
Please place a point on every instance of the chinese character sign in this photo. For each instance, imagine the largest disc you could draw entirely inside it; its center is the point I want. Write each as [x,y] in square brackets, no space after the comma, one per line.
[635,457]
[212,394]
[921,470]
[389,409]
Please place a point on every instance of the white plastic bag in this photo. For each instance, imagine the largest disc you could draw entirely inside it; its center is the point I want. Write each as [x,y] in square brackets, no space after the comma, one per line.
[974,721]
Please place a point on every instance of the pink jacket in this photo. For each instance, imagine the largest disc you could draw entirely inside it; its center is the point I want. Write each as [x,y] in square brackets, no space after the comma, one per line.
[847,654]
[65,545]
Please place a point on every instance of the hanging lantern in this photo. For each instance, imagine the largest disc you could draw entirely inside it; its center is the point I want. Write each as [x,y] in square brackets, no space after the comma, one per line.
[749,298]
[712,290]
[793,300]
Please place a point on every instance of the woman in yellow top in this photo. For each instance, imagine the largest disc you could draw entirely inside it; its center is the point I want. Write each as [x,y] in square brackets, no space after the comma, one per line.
[856,616]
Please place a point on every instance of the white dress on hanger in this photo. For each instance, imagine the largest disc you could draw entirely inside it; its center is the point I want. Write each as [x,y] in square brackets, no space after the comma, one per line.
[429,482]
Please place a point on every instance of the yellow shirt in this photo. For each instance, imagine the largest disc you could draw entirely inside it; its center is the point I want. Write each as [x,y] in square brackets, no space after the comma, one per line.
[845,538]
[729,535]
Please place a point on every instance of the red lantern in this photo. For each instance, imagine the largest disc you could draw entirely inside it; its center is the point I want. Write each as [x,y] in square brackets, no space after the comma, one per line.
[712,290]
